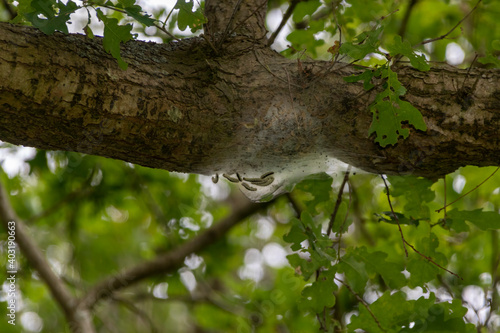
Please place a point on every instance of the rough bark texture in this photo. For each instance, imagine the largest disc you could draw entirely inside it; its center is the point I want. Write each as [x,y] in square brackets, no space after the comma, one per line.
[183,107]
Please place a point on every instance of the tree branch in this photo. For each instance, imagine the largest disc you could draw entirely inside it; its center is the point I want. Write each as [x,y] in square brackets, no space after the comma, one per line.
[451,30]
[171,260]
[78,320]
[406,18]
[285,18]
[192,111]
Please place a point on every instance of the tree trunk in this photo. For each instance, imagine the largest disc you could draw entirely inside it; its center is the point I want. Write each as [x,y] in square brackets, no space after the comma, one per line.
[242,107]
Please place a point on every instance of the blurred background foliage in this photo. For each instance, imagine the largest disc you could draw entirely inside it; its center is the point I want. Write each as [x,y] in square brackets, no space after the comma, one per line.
[94,216]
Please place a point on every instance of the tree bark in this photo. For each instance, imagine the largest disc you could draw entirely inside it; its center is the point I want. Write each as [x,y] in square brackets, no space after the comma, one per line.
[189,108]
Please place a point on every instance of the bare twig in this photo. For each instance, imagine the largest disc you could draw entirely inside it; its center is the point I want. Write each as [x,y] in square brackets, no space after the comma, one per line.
[339,201]
[345,220]
[294,204]
[405,242]
[362,301]
[406,18]
[229,23]
[463,195]
[285,18]
[79,320]
[430,260]
[394,214]
[449,32]
[170,260]
[249,16]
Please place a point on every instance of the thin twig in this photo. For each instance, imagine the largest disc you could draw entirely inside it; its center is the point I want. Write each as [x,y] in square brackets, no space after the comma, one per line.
[345,220]
[249,16]
[406,18]
[449,32]
[406,242]
[285,18]
[294,203]
[362,301]
[229,23]
[394,214]
[339,201]
[468,71]
[430,260]
[463,195]
[444,189]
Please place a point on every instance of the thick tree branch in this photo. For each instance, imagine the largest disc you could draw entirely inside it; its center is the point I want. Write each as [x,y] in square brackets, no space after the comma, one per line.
[171,260]
[79,320]
[181,108]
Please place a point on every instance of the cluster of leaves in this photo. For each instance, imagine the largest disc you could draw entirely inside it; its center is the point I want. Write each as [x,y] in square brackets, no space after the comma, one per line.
[390,112]
[54,15]
[384,267]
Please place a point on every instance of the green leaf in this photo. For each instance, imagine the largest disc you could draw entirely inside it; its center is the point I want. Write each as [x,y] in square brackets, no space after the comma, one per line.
[359,265]
[366,77]
[416,192]
[302,266]
[304,39]
[389,112]
[401,218]
[489,58]
[114,34]
[398,47]
[305,8]
[365,43]
[496,44]
[135,11]
[189,18]
[319,189]
[296,235]
[394,311]
[482,220]
[421,271]
[319,295]
[57,15]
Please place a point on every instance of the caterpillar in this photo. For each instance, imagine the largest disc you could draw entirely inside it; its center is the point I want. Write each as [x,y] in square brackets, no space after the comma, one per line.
[248,187]
[215,178]
[231,179]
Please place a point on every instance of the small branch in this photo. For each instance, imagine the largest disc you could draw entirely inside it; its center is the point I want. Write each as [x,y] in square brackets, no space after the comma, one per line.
[405,242]
[362,301]
[339,201]
[9,9]
[170,260]
[432,261]
[294,203]
[449,32]
[463,195]
[249,16]
[79,320]
[406,18]
[285,18]
[229,23]
[394,214]
[345,220]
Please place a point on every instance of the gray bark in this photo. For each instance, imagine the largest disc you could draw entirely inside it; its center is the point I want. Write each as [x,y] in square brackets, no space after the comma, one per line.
[183,107]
